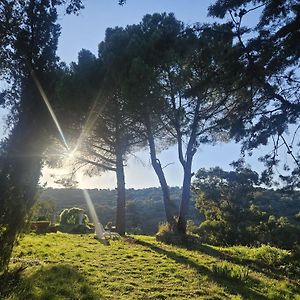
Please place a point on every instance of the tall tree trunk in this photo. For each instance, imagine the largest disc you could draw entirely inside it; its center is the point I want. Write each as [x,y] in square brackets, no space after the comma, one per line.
[121,193]
[160,174]
[187,169]
[185,197]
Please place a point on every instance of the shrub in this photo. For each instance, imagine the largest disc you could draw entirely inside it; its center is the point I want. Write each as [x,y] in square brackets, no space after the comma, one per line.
[167,235]
[191,228]
[213,232]
[270,255]
[40,226]
[231,272]
[163,228]
[73,216]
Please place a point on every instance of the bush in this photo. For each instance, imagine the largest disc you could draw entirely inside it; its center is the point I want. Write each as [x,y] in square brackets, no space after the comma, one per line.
[166,235]
[40,226]
[77,229]
[213,232]
[73,216]
[231,272]
[270,255]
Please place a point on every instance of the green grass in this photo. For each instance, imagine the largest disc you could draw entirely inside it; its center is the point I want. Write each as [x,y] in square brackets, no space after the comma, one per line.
[65,266]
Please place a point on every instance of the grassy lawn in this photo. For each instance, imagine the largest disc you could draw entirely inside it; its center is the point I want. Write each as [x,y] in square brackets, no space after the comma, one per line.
[65,266]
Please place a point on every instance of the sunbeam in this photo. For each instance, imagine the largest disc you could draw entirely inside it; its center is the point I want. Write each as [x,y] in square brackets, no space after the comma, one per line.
[71,154]
[98,226]
[46,101]
[90,122]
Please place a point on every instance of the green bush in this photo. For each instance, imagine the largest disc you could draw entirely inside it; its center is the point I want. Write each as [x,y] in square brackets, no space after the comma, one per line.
[213,232]
[231,272]
[72,216]
[270,255]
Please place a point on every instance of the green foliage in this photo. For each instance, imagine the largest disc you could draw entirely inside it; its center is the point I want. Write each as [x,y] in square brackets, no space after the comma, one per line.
[270,255]
[168,235]
[32,42]
[164,228]
[191,227]
[73,216]
[74,220]
[43,210]
[90,270]
[270,56]
[231,272]
[237,212]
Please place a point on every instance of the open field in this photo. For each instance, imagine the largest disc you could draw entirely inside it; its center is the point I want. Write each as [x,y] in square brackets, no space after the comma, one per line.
[65,266]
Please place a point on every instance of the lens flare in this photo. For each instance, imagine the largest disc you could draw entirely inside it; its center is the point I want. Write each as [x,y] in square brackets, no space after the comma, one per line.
[90,121]
[46,101]
[71,154]
[98,226]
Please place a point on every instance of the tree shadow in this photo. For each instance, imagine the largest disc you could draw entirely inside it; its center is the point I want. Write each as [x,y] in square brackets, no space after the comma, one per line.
[270,271]
[53,282]
[257,266]
[245,289]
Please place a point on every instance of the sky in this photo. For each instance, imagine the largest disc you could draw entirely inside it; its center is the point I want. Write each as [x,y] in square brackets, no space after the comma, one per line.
[86,31]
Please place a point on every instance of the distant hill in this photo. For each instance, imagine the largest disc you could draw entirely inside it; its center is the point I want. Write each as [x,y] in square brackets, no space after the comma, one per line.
[144,209]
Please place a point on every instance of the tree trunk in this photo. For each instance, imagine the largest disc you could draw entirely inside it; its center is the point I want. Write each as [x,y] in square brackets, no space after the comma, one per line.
[121,193]
[185,198]
[187,169]
[160,174]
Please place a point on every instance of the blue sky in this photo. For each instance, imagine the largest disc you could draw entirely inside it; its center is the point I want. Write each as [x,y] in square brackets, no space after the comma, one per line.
[86,31]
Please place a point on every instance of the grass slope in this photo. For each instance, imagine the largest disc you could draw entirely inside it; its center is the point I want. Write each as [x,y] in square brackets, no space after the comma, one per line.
[64,266]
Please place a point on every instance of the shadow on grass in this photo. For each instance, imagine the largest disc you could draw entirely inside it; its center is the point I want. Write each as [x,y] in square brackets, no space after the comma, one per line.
[257,266]
[245,289]
[54,282]
[270,271]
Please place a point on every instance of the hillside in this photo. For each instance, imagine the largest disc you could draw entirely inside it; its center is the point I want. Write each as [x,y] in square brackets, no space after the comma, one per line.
[145,210]
[62,266]
[144,207]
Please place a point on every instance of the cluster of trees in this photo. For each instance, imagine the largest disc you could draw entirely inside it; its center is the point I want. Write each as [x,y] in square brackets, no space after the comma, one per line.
[227,208]
[161,82]
[155,83]
[238,211]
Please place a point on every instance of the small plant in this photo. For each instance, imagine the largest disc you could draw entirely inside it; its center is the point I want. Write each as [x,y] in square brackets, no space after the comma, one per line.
[167,235]
[164,228]
[231,272]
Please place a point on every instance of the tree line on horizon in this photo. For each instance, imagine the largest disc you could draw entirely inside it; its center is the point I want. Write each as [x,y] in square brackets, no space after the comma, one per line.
[154,84]
[226,209]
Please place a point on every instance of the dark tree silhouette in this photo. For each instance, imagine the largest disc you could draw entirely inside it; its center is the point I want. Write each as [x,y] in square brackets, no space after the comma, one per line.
[99,112]
[174,83]
[29,34]
[271,67]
